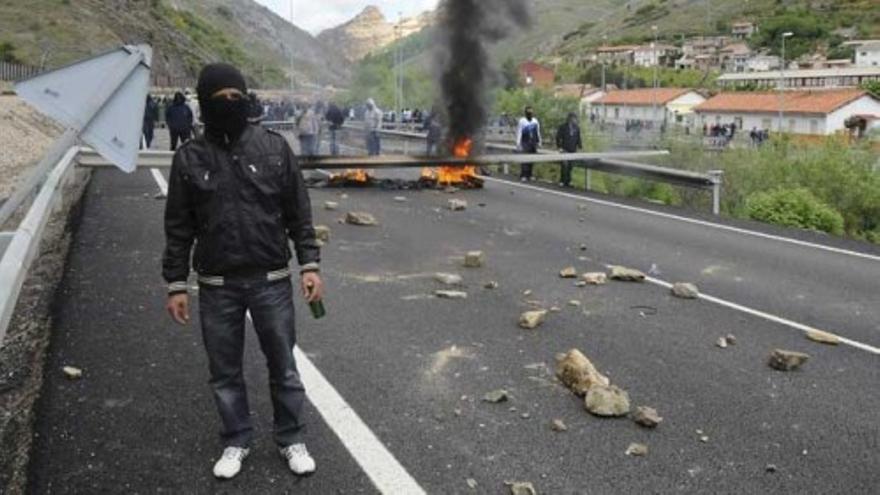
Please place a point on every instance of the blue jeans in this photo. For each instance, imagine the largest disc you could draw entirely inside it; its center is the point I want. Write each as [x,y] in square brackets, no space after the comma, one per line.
[307,144]
[374,144]
[222,313]
[334,146]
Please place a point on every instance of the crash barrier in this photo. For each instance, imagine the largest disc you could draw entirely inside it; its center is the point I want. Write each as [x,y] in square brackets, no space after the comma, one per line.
[14,72]
[608,162]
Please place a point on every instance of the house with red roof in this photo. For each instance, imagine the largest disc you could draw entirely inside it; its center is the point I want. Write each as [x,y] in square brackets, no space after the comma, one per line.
[660,105]
[818,112]
[533,74]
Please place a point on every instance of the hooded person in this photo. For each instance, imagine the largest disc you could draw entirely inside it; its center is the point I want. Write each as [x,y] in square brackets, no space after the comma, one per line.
[179,119]
[568,140]
[238,196]
[373,124]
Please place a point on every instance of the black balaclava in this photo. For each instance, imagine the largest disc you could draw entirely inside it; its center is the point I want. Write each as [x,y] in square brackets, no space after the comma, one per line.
[529,114]
[224,119]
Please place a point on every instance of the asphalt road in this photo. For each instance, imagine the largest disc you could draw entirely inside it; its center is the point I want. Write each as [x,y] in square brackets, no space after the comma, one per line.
[414,367]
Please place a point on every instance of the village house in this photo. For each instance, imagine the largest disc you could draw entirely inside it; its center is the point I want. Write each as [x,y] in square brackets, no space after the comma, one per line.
[735,57]
[743,30]
[533,74]
[822,112]
[867,52]
[763,63]
[850,77]
[652,56]
[657,106]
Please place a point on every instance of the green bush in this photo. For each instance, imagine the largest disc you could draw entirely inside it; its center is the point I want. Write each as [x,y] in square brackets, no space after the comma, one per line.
[794,208]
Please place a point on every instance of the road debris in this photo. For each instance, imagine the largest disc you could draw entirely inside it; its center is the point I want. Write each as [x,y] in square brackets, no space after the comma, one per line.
[647,417]
[471,483]
[532,319]
[496,396]
[607,401]
[722,342]
[361,219]
[527,293]
[322,233]
[787,360]
[558,426]
[448,278]
[823,337]
[492,285]
[580,283]
[72,373]
[400,199]
[331,205]
[637,449]
[474,259]
[458,204]
[450,294]
[625,274]
[578,373]
[568,272]
[685,290]
[731,339]
[594,278]
[554,309]
[521,488]
[704,438]
[771,468]
[574,303]
[582,247]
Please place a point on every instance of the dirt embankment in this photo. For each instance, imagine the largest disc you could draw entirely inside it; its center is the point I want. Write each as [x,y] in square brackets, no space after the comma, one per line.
[25,136]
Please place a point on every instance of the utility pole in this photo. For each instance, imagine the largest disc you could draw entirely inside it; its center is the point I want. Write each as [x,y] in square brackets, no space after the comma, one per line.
[781,85]
[292,44]
[656,78]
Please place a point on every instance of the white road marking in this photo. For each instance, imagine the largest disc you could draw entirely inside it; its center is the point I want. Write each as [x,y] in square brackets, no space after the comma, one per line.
[377,462]
[769,317]
[160,181]
[691,220]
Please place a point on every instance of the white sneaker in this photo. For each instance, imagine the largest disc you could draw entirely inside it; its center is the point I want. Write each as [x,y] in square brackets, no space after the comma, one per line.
[298,459]
[230,462]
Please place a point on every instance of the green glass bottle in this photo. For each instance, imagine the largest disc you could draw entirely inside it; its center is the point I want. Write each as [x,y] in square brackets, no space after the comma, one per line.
[318,310]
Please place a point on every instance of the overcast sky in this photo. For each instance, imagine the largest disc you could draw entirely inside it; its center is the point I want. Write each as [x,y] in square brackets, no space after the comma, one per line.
[315,16]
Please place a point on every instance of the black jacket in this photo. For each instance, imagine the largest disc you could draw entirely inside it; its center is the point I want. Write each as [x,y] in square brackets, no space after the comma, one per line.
[238,203]
[335,117]
[179,117]
[569,140]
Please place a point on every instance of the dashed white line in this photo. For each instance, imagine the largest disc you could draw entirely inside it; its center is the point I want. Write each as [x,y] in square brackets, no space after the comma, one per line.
[377,462]
[770,317]
[691,220]
[160,181]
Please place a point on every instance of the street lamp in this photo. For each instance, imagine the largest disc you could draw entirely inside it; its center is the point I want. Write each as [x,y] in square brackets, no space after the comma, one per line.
[656,68]
[292,44]
[781,85]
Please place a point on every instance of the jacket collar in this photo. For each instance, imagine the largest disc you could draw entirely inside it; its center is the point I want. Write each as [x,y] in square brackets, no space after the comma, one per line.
[220,140]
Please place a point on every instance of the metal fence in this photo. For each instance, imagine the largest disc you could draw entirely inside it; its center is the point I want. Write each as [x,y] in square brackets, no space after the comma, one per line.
[15,72]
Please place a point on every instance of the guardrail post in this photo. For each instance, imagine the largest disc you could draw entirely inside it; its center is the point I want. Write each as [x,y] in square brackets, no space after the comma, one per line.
[717,177]
[588,184]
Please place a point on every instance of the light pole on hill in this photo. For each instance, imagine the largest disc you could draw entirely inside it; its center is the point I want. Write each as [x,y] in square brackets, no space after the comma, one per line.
[656,82]
[292,44]
[781,85]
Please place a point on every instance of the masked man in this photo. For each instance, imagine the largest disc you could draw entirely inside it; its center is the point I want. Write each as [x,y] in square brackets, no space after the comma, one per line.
[237,193]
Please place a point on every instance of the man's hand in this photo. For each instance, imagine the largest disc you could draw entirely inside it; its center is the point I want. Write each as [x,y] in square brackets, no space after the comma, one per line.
[312,286]
[178,308]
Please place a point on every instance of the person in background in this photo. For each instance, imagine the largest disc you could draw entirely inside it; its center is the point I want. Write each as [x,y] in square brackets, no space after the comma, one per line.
[528,140]
[179,118]
[336,118]
[236,196]
[151,115]
[434,131]
[568,140]
[255,109]
[308,127]
[373,124]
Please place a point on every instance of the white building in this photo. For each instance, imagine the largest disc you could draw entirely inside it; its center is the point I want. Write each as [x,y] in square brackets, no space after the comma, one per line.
[850,77]
[763,63]
[655,55]
[804,112]
[867,52]
[661,105]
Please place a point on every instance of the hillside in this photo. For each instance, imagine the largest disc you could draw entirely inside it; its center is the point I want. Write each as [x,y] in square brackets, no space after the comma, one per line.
[370,31]
[185,34]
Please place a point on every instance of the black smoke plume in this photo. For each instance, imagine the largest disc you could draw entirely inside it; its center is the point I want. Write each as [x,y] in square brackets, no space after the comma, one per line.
[466,29]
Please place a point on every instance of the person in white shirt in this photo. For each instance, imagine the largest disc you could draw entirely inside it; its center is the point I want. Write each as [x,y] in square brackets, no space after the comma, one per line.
[372,124]
[528,140]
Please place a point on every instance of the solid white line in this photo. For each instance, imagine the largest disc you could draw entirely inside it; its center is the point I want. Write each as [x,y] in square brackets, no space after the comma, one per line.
[377,462]
[160,180]
[691,220]
[769,317]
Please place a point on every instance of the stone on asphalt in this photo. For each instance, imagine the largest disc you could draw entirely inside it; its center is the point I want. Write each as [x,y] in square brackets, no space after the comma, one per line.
[457,204]
[360,218]
[471,483]
[607,401]
[558,425]
[637,449]
[823,337]
[521,488]
[72,372]
[527,292]
[331,205]
[474,259]
[491,285]
[448,278]
[685,290]
[783,360]
[580,283]
[625,274]
[450,294]
[583,247]
[731,339]
[532,319]
[594,278]
[496,396]
[771,468]
[647,417]
[400,199]
[722,342]
[568,272]
[322,233]
[577,372]
[575,303]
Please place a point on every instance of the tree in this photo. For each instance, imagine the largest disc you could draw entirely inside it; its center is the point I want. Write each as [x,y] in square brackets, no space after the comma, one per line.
[7,53]
[510,74]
